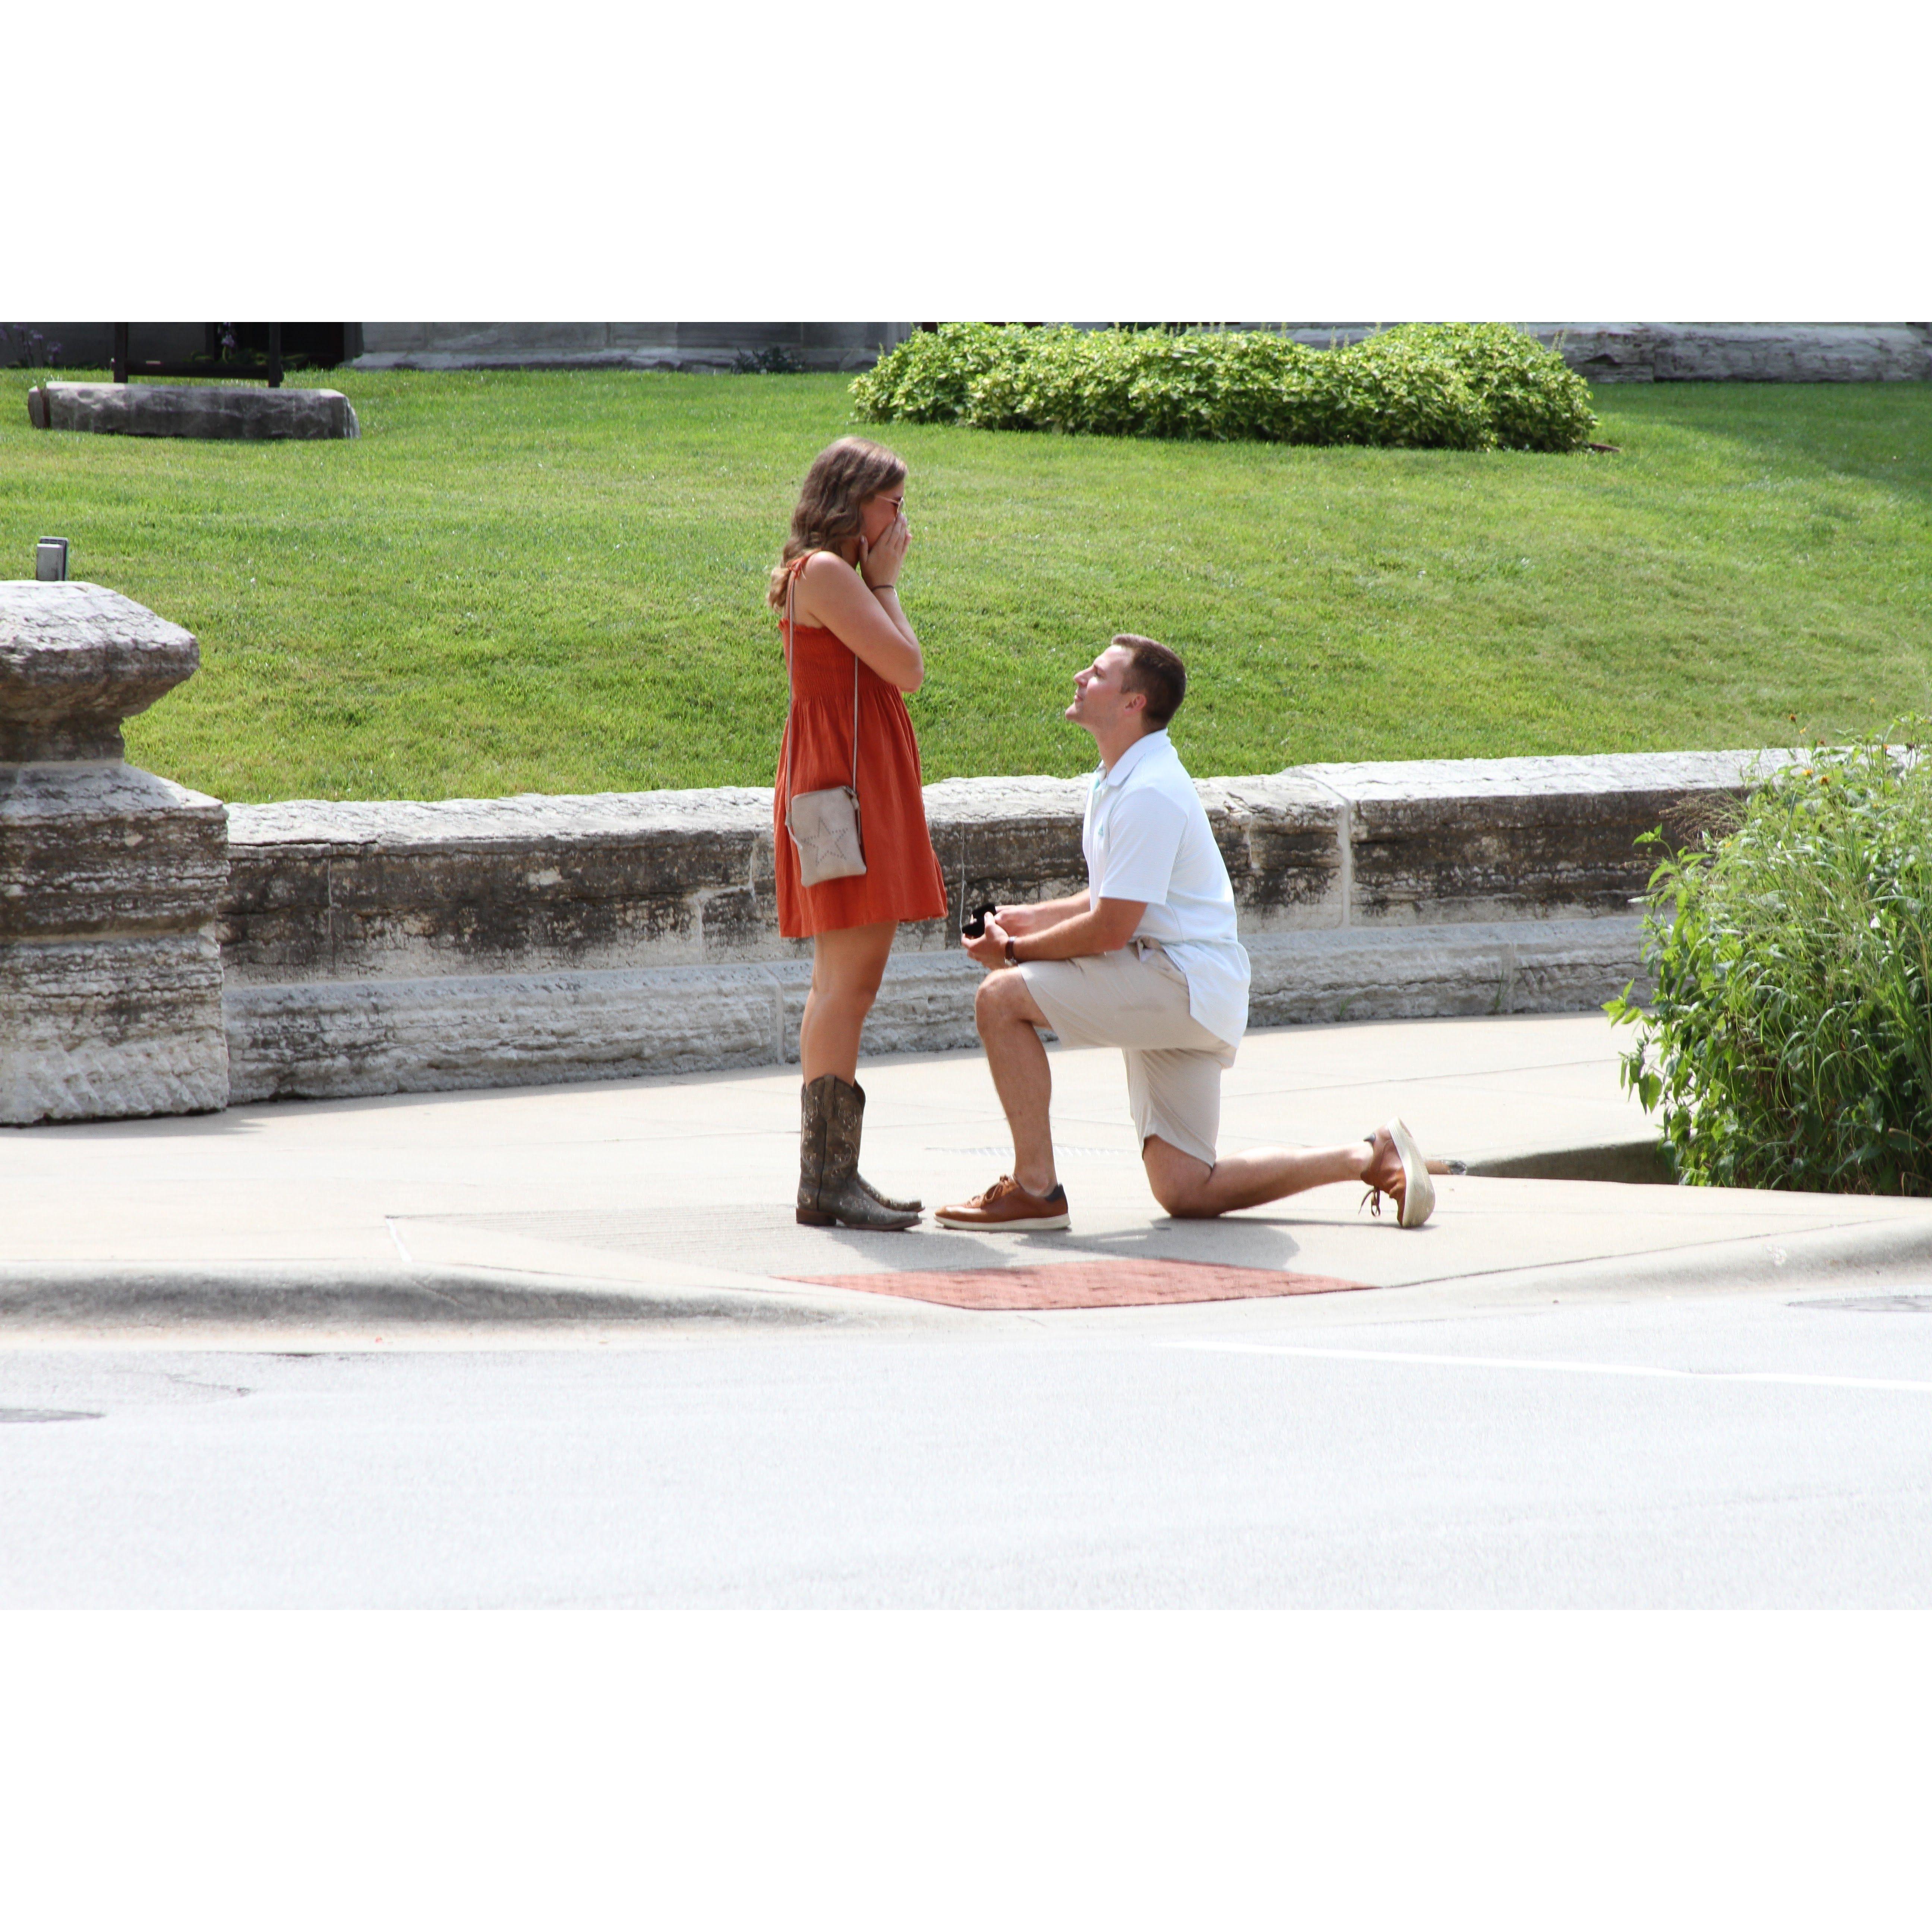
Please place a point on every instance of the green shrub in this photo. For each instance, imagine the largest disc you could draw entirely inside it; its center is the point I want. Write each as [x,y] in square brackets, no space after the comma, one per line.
[1452,385]
[926,378]
[1400,391]
[1533,400]
[1789,1041]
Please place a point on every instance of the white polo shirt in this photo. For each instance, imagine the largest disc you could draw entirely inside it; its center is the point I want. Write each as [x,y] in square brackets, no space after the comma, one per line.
[1146,838]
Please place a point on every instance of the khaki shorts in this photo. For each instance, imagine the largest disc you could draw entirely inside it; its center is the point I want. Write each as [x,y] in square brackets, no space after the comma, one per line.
[1136,999]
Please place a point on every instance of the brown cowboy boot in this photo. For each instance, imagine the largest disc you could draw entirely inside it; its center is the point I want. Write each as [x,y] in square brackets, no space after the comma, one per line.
[831,1115]
[913,1207]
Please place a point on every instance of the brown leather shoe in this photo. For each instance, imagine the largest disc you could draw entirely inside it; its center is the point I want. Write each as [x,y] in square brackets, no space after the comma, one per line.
[1007,1208]
[1397,1168]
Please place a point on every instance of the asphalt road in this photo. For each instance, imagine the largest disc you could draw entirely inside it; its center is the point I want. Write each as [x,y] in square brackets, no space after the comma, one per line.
[1719,1450]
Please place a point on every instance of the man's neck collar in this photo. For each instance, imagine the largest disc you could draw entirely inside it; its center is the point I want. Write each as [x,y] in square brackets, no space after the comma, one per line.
[1128,755]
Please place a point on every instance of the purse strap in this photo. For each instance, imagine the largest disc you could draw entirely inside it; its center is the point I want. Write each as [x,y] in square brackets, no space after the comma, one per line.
[791,683]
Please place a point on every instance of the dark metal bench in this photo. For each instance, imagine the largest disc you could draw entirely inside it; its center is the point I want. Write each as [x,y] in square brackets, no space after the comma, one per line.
[209,363]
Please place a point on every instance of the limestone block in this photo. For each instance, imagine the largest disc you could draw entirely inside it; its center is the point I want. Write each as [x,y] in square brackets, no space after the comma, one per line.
[394,338]
[1519,839]
[622,880]
[925,1003]
[659,337]
[94,849]
[850,345]
[334,1039]
[1790,353]
[637,345]
[75,659]
[1281,840]
[97,1029]
[246,411]
[1603,352]
[110,975]
[1442,971]
[511,338]
[1011,840]
[1005,840]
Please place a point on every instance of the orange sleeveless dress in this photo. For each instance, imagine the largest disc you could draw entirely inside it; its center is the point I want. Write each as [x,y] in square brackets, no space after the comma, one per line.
[901,880]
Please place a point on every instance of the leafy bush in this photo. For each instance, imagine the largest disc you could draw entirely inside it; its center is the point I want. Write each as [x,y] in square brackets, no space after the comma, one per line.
[1534,400]
[1450,386]
[926,378]
[1789,1041]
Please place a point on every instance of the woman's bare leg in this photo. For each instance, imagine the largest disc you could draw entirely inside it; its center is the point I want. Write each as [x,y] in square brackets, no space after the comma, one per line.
[847,967]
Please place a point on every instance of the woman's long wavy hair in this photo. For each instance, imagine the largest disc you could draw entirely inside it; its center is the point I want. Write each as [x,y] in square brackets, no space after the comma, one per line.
[836,487]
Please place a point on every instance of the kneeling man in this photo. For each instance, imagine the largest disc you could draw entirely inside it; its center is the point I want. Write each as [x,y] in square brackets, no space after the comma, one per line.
[1146,959]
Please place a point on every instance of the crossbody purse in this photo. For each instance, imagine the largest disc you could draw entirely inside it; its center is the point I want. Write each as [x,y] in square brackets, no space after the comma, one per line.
[823,825]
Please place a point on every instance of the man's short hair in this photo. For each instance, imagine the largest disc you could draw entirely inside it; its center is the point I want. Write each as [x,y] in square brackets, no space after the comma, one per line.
[1157,674]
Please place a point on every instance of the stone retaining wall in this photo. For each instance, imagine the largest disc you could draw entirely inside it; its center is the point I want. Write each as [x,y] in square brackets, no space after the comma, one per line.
[1605,352]
[371,948]
[161,953]
[621,345]
[1713,352]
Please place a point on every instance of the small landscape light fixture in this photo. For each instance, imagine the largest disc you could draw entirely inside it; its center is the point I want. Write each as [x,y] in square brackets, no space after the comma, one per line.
[50,560]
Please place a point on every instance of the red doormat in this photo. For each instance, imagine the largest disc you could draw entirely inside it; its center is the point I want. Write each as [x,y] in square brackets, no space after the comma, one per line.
[1097,1284]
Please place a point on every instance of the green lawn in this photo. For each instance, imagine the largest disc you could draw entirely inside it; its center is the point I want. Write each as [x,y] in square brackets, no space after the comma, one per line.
[553,582]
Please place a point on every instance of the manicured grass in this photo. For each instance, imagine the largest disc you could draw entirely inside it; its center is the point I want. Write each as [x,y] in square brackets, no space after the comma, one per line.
[553,582]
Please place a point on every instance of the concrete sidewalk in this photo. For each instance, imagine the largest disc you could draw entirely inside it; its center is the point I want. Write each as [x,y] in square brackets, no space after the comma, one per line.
[608,1211]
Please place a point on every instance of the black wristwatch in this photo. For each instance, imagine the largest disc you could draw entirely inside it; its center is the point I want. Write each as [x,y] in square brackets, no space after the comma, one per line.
[1012,957]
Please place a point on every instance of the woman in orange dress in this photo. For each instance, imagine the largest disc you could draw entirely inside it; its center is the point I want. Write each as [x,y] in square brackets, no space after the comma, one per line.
[839,577]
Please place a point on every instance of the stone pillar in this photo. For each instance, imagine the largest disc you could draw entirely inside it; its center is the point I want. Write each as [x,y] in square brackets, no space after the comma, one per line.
[110,878]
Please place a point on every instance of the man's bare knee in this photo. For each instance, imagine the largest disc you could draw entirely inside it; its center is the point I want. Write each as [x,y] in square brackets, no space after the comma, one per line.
[1179,1182]
[1002,1000]
[986,1002]
[1186,1203]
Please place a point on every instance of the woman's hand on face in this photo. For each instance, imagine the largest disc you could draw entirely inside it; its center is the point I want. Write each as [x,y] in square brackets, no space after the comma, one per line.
[880,563]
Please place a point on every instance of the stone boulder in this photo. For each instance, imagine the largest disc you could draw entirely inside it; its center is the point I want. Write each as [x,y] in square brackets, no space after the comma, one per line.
[247,412]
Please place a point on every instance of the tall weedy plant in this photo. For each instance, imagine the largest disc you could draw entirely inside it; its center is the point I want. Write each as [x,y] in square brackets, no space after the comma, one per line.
[1789,1041]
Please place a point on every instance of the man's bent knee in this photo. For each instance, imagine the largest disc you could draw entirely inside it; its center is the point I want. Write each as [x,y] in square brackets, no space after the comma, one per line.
[1186,1203]
[1179,1182]
[1003,997]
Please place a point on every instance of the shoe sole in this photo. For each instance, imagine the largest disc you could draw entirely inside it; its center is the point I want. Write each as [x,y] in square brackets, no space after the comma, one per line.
[1418,1191]
[1045,1224]
[815,1217]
